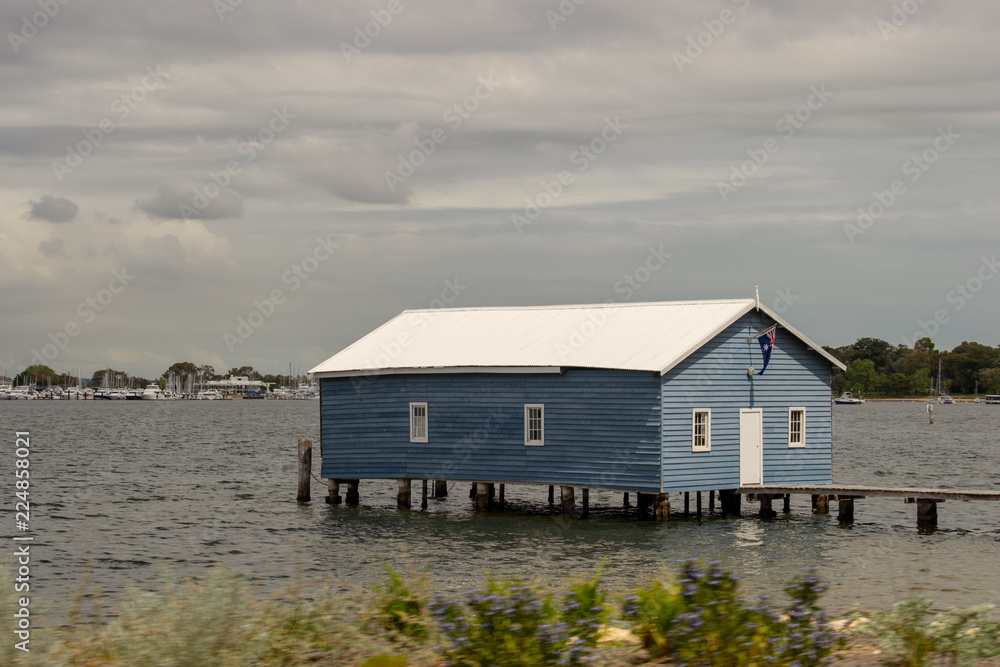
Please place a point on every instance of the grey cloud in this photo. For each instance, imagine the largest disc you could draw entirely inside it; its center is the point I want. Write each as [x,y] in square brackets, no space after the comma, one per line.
[445,26]
[53,247]
[178,201]
[53,209]
[353,168]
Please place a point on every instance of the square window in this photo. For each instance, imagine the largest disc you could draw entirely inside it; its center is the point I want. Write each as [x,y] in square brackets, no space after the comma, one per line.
[701,431]
[796,427]
[534,424]
[418,422]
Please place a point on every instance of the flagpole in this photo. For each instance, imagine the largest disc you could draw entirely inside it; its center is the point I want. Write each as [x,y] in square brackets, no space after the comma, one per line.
[761,333]
[756,289]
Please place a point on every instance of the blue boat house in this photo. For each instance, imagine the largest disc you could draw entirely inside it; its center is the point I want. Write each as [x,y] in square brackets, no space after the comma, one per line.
[648,398]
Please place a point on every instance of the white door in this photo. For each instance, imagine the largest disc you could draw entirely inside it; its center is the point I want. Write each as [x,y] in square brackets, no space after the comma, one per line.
[751,447]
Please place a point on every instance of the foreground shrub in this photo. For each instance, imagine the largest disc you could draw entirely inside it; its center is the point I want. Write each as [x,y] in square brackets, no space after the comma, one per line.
[401,603]
[699,618]
[911,638]
[653,612]
[515,625]
[585,609]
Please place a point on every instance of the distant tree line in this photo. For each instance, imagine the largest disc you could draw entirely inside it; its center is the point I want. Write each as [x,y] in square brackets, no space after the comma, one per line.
[876,367]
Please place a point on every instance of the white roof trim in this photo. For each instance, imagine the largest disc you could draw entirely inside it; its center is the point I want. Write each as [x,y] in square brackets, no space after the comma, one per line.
[440,369]
[798,334]
[781,323]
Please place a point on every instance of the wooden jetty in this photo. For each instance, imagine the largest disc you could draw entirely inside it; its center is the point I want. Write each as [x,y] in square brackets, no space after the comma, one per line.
[926,500]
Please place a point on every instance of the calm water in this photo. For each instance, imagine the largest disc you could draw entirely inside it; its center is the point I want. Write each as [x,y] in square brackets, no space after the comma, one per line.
[119,487]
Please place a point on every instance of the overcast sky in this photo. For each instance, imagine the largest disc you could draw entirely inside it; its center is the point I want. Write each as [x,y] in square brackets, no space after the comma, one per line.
[169,168]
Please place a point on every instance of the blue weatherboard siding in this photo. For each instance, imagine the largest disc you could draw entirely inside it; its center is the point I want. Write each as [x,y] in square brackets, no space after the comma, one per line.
[715,377]
[602,428]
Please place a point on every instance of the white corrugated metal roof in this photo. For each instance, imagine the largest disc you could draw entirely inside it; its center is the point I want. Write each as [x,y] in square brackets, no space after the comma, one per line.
[641,336]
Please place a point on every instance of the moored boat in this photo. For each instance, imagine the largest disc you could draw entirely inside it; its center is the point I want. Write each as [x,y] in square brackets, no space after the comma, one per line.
[151,392]
[209,395]
[847,398]
[943,398]
[22,394]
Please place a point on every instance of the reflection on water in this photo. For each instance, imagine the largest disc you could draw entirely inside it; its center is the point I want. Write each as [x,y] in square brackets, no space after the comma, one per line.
[749,534]
[120,487]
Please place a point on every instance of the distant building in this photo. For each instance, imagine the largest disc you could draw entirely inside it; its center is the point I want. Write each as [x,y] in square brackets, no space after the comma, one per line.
[236,385]
[649,397]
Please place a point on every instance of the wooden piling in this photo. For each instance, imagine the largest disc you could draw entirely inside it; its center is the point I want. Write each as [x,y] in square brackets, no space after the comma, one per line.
[662,504]
[552,494]
[820,504]
[930,412]
[644,502]
[500,498]
[585,499]
[687,503]
[568,500]
[440,488]
[730,500]
[927,515]
[423,496]
[625,502]
[305,469]
[788,503]
[697,503]
[472,491]
[403,496]
[711,502]
[845,513]
[766,511]
[333,492]
[482,499]
[353,497]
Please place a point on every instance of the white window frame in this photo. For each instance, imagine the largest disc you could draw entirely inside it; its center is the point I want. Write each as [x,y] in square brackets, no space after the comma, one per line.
[707,447]
[528,441]
[414,436]
[802,434]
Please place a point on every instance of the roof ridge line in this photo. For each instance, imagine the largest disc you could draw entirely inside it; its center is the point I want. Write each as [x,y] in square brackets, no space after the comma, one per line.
[580,306]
